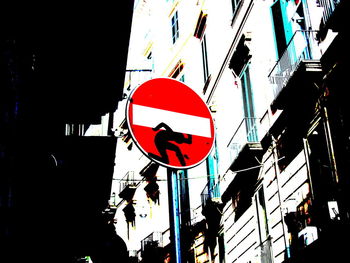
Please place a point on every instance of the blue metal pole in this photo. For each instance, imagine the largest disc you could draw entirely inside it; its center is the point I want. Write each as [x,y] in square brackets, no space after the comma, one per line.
[174,209]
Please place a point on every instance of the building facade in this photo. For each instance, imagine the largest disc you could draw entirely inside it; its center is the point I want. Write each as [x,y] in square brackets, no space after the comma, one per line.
[275,186]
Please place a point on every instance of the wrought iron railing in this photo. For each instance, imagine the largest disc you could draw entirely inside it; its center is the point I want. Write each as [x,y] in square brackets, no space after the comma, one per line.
[210,192]
[248,131]
[302,46]
[127,181]
[215,191]
[205,195]
[154,240]
[328,8]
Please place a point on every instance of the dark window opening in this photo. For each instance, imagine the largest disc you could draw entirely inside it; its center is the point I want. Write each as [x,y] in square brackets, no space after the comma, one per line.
[221,244]
[177,70]
[240,192]
[247,94]
[300,16]
[206,84]
[240,57]
[235,6]
[262,215]
[288,147]
[321,168]
[279,28]
[127,137]
[201,24]
[175,27]
[241,202]
[205,59]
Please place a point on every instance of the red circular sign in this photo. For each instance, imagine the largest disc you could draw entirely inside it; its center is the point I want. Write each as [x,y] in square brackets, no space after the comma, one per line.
[170,123]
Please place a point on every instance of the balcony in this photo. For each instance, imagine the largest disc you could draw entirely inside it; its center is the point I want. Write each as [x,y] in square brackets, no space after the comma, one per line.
[152,248]
[245,145]
[210,193]
[127,186]
[295,72]
[205,195]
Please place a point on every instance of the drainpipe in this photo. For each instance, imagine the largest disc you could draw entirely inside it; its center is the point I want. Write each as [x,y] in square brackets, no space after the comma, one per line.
[306,154]
[330,145]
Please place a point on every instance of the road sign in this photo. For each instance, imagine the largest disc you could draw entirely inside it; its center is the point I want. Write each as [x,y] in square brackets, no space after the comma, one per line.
[170,123]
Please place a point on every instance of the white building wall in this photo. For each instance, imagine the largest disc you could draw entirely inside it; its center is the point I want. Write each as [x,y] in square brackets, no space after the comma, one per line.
[253,18]
[228,94]
[241,236]
[148,213]
[277,229]
[225,95]
[152,32]
[229,113]
[281,188]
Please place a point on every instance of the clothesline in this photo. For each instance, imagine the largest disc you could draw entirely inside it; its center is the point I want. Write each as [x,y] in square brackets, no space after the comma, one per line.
[199,177]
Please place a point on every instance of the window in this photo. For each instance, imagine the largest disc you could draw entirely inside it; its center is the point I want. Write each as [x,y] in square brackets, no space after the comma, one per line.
[248,105]
[262,215]
[287,17]
[201,24]
[221,244]
[182,78]
[277,18]
[289,145]
[241,55]
[175,27]
[235,5]
[247,93]
[175,73]
[323,174]
[200,34]
[240,65]
[205,59]
[150,60]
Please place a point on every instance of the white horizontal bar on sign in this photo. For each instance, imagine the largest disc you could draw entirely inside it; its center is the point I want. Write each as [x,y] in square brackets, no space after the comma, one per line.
[178,122]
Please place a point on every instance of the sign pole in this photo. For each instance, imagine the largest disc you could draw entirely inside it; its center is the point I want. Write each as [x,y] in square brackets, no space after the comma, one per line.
[174,214]
[159,124]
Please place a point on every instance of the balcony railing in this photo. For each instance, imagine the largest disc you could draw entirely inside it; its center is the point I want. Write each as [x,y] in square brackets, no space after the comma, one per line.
[302,46]
[127,186]
[328,8]
[210,192]
[154,240]
[215,192]
[248,131]
[127,181]
[205,195]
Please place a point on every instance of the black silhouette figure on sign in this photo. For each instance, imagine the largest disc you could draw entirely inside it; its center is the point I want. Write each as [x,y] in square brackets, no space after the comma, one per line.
[165,140]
